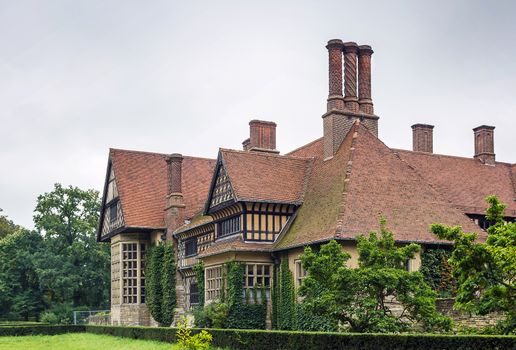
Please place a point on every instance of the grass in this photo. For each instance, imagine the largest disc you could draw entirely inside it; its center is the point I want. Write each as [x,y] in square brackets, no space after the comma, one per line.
[80,341]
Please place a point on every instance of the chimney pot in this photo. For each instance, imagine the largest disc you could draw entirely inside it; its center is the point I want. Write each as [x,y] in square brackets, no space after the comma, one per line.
[262,136]
[484,144]
[422,138]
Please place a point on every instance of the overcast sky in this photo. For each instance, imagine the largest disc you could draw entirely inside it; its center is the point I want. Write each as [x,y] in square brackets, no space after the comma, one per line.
[78,77]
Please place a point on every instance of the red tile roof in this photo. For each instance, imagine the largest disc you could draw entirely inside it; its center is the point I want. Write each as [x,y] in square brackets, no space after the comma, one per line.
[347,194]
[465,182]
[141,179]
[260,176]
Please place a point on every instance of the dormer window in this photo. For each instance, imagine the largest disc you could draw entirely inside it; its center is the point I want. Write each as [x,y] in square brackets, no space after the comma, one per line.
[191,247]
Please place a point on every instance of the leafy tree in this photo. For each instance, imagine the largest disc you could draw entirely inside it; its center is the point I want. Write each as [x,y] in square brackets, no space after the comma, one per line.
[7,227]
[359,298]
[73,268]
[20,297]
[485,272]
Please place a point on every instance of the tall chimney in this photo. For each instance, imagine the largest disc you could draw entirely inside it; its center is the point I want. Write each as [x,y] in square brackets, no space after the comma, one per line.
[174,201]
[335,99]
[350,76]
[422,138]
[262,136]
[484,144]
[174,170]
[364,79]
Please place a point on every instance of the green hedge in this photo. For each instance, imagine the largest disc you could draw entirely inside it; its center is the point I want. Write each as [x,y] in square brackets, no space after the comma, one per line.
[285,340]
[39,330]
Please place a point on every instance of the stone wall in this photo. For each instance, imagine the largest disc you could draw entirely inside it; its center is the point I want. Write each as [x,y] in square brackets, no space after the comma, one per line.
[466,319]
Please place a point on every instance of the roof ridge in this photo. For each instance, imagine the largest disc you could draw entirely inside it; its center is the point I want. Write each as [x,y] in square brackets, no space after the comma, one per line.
[264,154]
[156,153]
[354,135]
[304,146]
[443,155]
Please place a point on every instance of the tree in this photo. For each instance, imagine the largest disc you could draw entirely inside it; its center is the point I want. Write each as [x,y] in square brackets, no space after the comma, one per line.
[7,227]
[73,268]
[20,296]
[359,298]
[485,272]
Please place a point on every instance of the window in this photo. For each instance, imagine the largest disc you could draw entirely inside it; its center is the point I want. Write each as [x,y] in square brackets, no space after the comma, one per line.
[229,226]
[113,212]
[194,294]
[214,282]
[257,276]
[133,275]
[191,247]
[300,273]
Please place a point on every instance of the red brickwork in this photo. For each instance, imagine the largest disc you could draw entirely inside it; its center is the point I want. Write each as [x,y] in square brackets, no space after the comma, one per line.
[364,79]
[335,99]
[350,76]
[262,136]
[422,138]
[174,173]
[484,144]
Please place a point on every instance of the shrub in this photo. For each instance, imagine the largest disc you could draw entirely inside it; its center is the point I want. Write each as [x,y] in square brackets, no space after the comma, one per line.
[22,330]
[187,341]
[59,314]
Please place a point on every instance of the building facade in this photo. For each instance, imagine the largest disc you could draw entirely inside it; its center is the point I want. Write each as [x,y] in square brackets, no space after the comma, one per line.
[257,206]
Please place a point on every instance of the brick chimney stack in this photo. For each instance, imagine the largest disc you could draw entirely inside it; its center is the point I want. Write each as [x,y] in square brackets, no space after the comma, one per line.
[262,136]
[174,201]
[364,79]
[335,99]
[343,111]
[350,76]
[484,144]
[422,138]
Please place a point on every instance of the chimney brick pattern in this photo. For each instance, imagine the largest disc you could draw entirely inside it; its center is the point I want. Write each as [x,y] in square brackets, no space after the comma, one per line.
[174,169]
[262,136]
[484,144]
[364,79]
[335,99]
[422,138]
[350,76]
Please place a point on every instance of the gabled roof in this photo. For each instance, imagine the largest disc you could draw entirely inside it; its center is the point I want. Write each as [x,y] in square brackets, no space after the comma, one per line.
[347,194]
[465,182]
[260,176]
[141,178]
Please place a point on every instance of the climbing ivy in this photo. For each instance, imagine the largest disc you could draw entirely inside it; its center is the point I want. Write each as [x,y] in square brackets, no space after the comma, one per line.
[284,298]
[199,276]
[168,286]
[437,271]
[153,291]
[160,289]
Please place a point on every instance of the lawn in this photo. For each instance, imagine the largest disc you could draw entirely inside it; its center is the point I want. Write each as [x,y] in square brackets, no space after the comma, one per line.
[80,341]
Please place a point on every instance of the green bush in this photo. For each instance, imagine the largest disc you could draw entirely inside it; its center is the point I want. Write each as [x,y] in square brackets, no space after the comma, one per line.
[306,320]
[39,330]
[290,340]
[247,316]
[59,314]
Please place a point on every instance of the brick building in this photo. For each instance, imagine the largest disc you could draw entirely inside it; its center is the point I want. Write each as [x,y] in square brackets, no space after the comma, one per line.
[256,205]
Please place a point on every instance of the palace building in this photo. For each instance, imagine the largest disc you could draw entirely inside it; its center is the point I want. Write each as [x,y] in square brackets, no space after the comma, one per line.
[256,205]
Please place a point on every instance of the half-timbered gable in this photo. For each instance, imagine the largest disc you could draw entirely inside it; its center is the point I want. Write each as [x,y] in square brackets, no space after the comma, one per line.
[112,216]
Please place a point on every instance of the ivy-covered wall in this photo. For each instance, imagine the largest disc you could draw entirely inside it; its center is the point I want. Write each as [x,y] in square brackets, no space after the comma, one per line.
[160,289]
[437,271]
